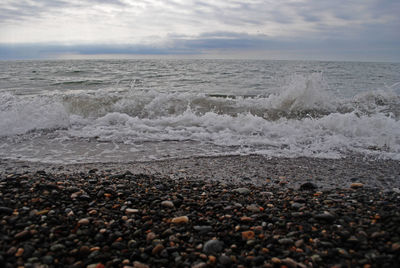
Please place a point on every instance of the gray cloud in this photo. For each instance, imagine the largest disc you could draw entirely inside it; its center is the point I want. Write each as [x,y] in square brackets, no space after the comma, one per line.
[197,26]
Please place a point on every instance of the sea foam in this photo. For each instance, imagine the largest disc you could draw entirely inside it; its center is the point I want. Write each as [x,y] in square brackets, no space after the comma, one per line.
[303,117]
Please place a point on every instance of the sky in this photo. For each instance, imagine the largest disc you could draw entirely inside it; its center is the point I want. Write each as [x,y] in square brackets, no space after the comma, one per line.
[358,30]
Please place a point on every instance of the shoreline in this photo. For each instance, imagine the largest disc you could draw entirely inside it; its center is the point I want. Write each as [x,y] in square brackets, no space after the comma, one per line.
[235,169]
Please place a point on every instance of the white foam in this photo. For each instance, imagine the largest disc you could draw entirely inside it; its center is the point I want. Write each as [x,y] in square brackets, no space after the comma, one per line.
[242,125]
[21,115]
[328,136]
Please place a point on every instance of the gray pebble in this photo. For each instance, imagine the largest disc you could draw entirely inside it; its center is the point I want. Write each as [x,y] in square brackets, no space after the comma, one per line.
[213,247]
[242,191]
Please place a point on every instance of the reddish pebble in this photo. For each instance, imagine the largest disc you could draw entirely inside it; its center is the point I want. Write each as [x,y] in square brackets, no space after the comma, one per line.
[247,235]
[157,249]
[19,252]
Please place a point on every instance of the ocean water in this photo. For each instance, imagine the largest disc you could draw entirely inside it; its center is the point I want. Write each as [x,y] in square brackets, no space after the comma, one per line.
[137,110]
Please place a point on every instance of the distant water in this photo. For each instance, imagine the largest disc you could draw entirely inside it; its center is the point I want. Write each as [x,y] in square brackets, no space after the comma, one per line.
[119,111]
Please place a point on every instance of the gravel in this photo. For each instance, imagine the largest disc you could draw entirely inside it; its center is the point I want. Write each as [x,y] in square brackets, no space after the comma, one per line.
[285,212]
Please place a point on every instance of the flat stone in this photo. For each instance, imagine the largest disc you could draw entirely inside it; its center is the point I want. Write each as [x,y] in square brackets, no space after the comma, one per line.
[245,218]
[130,211]
[203,229]
[84,221]
[57,247]
[22,235]
[242,190]
[285,241]
[308,186]
[326,216]
[167,204]
[213,247]
[356,185]
[290,263]
[6,210]
[182,219]
[137,264]
[276,260]
[253,208]
[199,265]
[296,205]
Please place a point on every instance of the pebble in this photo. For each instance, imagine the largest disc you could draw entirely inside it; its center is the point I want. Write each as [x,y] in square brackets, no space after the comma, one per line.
[199,265]
[247,235]
[92,212]
[308,186]
[84,221]
[57,247]
[213,247]
[48,259]
[245,219]
[22,235]
[242,190]
[226,228]
[316,258]
[396,246]
[326,216]
[276,260]
[151,236]
[130,211]
[225,260]
[296,205]
[356,185]
[6,210]
[157,249]
[203,229]
[290,263]
[178,220]
[285,241]
[253,208]
[19,252]
[167,204]
[138,264]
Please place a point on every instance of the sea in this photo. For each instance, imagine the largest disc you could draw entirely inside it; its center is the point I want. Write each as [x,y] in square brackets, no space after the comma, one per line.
[83,111]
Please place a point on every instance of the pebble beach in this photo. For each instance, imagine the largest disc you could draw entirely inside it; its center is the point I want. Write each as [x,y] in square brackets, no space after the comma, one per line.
[237,211]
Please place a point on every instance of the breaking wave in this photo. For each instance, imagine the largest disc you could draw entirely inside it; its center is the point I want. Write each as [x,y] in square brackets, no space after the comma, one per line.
[302,118]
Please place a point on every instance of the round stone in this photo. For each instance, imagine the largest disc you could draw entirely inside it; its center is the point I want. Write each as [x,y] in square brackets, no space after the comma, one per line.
[213,247]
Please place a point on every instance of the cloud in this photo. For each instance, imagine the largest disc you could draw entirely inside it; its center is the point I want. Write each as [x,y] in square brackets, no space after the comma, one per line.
[196,26]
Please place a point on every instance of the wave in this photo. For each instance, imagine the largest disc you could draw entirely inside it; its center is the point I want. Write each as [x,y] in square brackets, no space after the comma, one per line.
[303,118]
[23,115]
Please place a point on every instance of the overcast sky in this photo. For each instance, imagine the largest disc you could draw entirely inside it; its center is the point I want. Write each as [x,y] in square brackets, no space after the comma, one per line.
[367,30]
